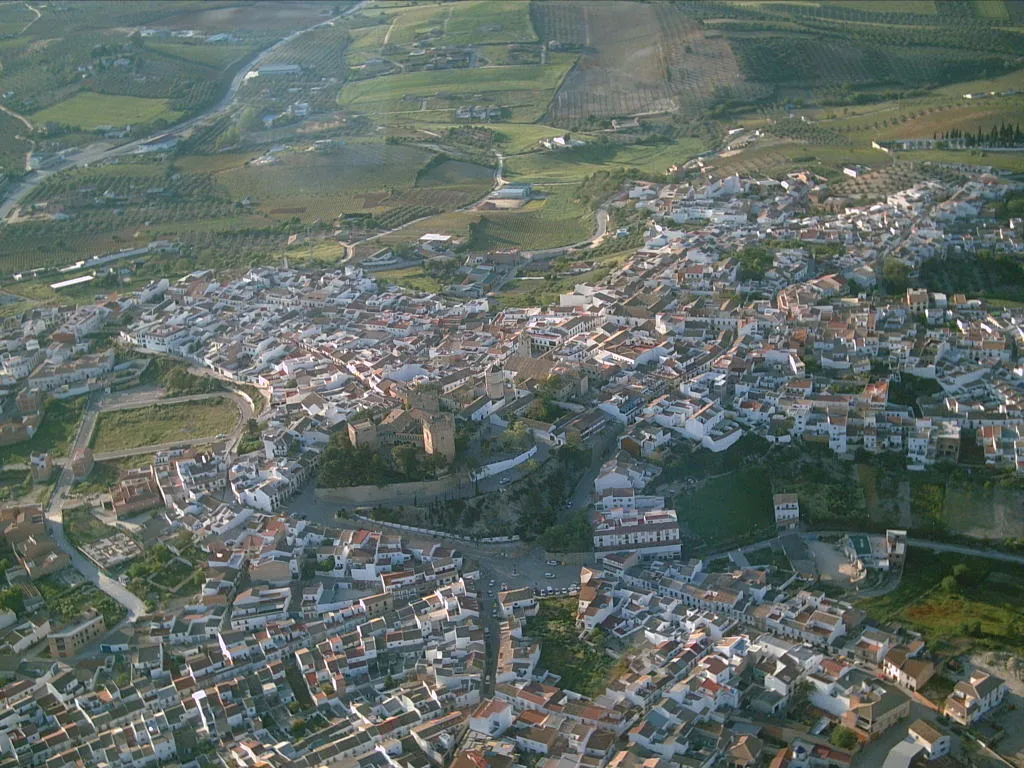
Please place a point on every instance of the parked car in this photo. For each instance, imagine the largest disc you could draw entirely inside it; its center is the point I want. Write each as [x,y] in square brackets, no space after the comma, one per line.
[551,562]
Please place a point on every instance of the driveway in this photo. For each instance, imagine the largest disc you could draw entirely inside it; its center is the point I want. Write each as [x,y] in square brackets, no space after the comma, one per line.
[832,564]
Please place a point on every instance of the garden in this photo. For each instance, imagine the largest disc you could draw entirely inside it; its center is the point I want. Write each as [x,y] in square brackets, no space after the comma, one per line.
[583,666]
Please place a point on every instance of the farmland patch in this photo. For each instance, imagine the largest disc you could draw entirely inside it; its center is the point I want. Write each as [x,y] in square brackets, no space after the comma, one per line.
[90,110]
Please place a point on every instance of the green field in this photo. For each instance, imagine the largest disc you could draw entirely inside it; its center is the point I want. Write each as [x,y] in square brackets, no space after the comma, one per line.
[91,110]
[525,89]
[414,278]
[559,219]
[725,507]
[361,177]
[574,164]
[931,599]
[158,424]
[82,527]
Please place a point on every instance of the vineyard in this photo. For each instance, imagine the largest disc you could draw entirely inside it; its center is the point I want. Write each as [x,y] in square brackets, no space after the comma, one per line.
[320,52]
[478,22]
[563,23]
[638,59]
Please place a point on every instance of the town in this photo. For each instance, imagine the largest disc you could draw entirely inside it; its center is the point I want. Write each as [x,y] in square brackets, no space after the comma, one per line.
[245,552]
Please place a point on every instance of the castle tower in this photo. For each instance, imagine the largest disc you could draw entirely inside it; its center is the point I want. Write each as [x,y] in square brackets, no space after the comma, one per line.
[439,435]
[362,434]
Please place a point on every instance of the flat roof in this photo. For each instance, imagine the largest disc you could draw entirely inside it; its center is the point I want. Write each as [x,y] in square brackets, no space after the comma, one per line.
[72,281]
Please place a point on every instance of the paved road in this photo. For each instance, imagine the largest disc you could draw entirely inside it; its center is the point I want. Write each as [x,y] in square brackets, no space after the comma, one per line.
[55,521]
[936,546]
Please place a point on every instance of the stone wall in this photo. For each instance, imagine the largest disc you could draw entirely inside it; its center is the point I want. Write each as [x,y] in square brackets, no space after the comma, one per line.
[391,495]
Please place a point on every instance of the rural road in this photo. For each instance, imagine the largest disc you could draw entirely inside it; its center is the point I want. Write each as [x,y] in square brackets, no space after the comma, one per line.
[96,153]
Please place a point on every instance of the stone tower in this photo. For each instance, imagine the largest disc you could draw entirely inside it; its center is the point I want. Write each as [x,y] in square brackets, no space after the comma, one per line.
[439,435]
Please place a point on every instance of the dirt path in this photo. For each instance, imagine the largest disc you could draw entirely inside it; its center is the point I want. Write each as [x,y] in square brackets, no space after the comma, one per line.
[903,499]
[387,35]
[27,123]
[24,120]
[38,15]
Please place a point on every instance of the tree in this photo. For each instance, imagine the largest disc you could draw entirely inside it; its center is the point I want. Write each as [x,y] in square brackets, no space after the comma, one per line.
[250,121]
[843,738]
[407,460]
[13,599]
[896,275]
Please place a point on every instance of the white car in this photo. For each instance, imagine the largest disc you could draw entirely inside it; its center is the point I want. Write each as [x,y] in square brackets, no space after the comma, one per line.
[549,575]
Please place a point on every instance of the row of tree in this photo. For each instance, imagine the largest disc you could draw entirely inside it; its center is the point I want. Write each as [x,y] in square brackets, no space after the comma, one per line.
[1005,135]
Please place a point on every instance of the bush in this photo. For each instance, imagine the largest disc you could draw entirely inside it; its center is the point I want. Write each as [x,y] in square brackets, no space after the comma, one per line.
[843,738]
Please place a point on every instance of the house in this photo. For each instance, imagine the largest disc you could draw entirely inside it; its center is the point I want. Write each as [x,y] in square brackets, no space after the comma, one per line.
[492,717]
[972,699]
[909,672]
[876,709]
[787,509]
[924,743]
[70,640]
[650,533]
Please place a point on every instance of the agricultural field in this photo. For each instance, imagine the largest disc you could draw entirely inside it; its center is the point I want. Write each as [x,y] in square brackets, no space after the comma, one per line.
[159,424]
[850,54]
[523,89]
[66,603]
[220,55]
[575,164]
[374,178]
[91,110]
[72,48]
[457,24]
[956,601]
[638,58]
